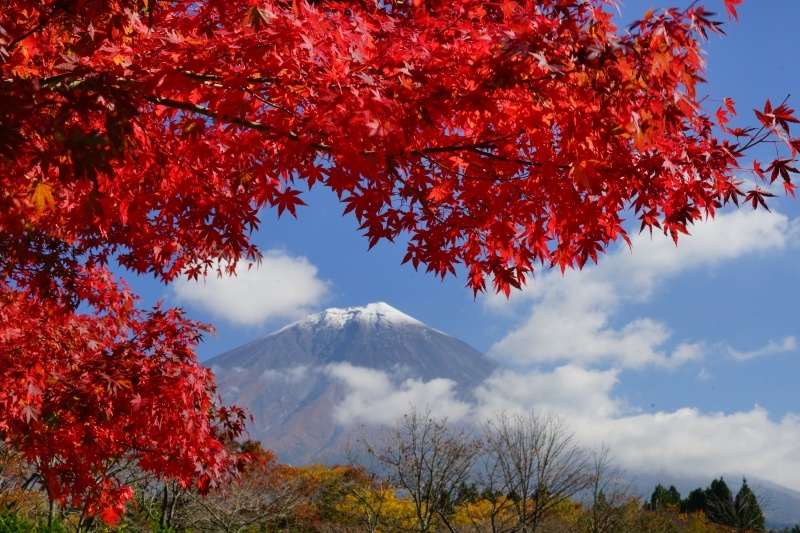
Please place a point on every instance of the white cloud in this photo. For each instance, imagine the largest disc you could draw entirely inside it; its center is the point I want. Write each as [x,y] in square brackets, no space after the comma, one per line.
[728,236]
[374,398]
[295,374]
[574,323]
[570,390]
[788,344]
[688,441]
[570,320]
[282,286]
[703,375]
[685,441]
[682,442]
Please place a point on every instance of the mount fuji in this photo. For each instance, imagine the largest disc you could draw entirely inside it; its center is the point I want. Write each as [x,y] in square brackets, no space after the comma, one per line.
[311,381]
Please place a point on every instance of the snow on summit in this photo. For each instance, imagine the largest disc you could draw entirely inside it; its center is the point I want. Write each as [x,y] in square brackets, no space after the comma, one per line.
[369,315]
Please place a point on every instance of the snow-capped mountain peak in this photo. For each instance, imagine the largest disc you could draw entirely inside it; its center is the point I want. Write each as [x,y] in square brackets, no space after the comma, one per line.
[369,315]
[293,379]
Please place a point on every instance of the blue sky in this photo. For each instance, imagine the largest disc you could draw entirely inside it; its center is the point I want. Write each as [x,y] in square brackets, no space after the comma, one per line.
[685,359]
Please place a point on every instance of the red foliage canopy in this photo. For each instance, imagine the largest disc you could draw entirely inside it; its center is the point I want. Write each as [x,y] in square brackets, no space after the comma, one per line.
[85,394]
[496,135]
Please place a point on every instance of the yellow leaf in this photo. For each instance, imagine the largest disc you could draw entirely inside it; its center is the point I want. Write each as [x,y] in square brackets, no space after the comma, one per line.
[42,198]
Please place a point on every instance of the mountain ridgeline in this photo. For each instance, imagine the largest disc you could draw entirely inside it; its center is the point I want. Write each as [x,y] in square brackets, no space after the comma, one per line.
[286,382]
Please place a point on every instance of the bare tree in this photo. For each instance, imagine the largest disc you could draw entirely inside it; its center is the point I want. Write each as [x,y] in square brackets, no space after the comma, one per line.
[19,491]
[751,507]
[371,497]
[367,501]
[496,514]
[608,497]
[157,504]
[266,494]
[425,459]
[541,462]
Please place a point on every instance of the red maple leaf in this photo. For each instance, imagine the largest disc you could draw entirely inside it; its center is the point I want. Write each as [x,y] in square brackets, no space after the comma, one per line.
[730,7]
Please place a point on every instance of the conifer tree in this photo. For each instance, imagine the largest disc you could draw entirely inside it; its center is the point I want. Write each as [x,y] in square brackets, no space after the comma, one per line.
[694,502]
[663,498]
[719,503]
[749,516]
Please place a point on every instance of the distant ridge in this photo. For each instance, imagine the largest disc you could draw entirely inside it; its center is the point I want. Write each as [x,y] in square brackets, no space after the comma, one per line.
[282,377]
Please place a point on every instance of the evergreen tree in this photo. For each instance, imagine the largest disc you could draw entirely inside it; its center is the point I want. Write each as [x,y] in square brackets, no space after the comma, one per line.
[663,498]
[674,496]
[467,492]
[719,503]
[748,511]
[695,502]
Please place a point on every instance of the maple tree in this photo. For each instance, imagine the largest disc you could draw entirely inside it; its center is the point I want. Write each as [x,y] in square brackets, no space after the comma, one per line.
[495,135]
[83,394]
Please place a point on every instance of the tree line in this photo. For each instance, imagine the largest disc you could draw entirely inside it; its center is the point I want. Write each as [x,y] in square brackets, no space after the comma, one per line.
[716,502]
[519,473]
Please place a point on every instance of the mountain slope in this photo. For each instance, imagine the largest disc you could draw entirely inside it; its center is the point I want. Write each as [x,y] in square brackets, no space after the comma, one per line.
[286,378]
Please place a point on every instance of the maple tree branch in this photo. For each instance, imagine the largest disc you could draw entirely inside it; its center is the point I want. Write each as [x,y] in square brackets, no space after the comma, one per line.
[211,80]
[444,167]
[202,110]
[478,147]
[759,137]
[45,20]
[271,104]
[764,132]
[237,121]
[484,153]
[453,148]
[417,193]
[215,77]
[25,35]
[54,80]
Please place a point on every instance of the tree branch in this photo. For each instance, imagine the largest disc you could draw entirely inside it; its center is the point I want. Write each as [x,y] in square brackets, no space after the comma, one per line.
[237,121]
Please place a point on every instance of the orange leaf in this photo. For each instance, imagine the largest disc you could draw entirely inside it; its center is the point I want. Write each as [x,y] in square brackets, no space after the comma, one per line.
[585,173]
[42,198]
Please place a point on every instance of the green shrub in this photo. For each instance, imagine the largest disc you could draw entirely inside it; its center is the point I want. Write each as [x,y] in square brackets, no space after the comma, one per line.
[11,523]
